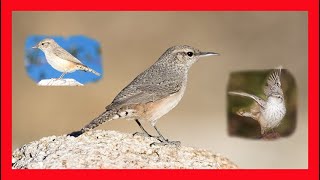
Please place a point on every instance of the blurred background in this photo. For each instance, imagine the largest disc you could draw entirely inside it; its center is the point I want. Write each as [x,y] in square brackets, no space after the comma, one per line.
[132,41]
[87,50]
[253,82]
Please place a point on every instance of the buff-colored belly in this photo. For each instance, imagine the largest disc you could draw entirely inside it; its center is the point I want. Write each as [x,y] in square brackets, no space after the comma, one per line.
[60,64]
[153,111]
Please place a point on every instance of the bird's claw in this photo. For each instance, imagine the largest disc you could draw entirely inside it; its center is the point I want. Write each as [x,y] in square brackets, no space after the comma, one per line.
[165,143]
[146,135]
[141,134]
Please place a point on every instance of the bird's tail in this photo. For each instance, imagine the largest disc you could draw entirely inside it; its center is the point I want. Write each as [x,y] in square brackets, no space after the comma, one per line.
[87,69]
[105,116]
[108,115]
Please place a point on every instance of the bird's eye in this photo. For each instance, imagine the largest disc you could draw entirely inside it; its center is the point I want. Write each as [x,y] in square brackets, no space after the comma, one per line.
[190,54]
[42,43]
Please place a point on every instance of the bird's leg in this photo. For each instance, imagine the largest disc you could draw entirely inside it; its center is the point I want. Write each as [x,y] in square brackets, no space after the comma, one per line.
[56,79]
[64,73]
[143,133]
[164,141]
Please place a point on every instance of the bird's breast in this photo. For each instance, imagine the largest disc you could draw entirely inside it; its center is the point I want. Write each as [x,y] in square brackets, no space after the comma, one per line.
[273,113]
[60,64]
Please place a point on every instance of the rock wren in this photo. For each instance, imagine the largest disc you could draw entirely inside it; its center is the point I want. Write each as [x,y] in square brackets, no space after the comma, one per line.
[60,59]
[153,93]
[271,111]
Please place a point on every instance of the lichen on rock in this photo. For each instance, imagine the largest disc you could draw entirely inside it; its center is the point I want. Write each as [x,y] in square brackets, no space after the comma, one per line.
[110,149]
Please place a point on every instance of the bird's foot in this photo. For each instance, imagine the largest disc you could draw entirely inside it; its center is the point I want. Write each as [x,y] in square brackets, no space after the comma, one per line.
[51,81]
[55,79]
[270,135]
[165,142]
[75,133]
[143,134]
[60,79]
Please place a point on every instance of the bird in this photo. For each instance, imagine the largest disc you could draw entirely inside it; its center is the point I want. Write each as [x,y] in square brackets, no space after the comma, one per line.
[268,112]
[60,59]
[153,93]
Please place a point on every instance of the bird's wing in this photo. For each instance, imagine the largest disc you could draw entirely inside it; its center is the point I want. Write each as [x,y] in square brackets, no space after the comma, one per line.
[273,83]
[60,52]
[149,86]
[144,94]
[260,101]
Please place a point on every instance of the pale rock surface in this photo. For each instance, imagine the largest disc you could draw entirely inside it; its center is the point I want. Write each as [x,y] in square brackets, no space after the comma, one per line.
[59,82]
[110,149]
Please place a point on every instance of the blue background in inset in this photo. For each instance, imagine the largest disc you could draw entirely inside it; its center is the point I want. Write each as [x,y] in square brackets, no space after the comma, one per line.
[87,50]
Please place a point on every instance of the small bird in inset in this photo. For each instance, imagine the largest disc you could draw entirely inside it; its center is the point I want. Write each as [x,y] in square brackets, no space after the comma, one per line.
[153,93]
[270,112]
[60,59]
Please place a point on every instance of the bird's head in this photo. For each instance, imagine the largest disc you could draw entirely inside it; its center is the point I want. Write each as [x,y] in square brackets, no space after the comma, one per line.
[276,97]
[185,55]
[45,44]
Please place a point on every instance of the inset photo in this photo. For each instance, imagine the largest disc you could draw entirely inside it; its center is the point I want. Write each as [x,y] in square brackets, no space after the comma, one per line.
[61,61]
[262,104]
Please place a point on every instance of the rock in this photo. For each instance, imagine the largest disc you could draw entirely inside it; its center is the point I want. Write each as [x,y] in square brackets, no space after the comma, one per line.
[59,82]
[110,149]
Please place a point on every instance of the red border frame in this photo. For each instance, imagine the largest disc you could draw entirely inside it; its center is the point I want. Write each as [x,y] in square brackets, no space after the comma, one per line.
[312,6]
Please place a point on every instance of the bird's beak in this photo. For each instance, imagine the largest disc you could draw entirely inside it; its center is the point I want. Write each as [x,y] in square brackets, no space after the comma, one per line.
[204,54]
[34,47]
